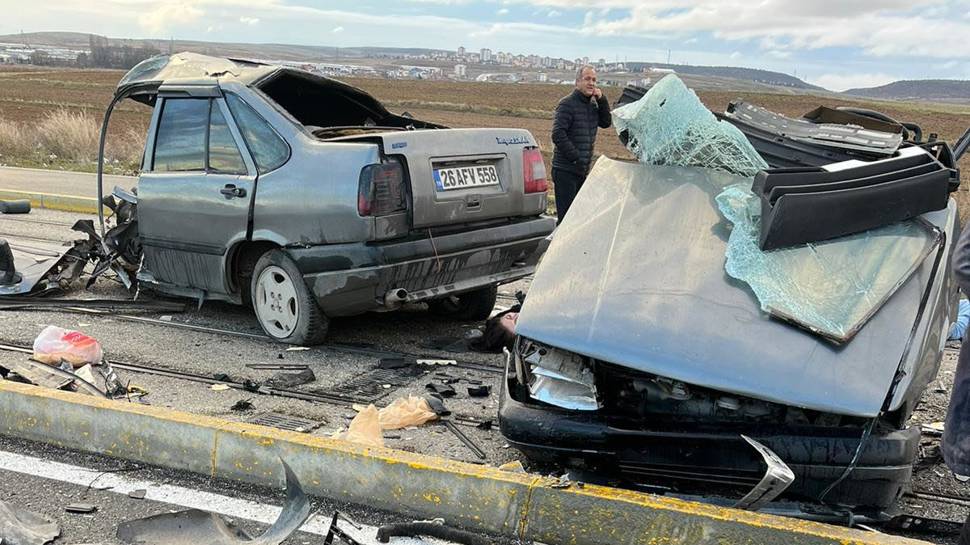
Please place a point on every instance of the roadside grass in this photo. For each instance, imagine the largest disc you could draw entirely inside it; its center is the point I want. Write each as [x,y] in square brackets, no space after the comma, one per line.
[67,139]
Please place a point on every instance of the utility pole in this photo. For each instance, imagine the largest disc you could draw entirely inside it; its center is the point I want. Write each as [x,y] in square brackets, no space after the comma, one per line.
[668,56]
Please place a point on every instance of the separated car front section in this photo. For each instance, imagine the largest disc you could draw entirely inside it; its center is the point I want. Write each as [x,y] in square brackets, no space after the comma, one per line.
[565,408]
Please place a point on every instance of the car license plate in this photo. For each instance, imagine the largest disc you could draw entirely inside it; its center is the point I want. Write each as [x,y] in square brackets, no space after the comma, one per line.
[461,177]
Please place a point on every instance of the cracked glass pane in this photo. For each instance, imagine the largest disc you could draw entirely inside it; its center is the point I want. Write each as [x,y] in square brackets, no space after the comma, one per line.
[832,287]
[670,126]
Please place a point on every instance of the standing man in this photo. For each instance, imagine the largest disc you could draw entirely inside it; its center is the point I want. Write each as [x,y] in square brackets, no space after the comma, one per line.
[574,132]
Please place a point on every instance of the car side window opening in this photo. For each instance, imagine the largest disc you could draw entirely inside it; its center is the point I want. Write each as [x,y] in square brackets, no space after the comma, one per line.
[268,148]
[180,139]
[224,156]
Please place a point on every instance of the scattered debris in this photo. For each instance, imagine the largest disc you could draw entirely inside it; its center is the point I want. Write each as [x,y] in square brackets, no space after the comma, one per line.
[278,366]
[428,361]
[933,429]
[472,446]
[483,390]
[19,526]
[484,425]
[297,348]
[219,387]
[201,527]
[437,405]
[434,528]
[514,466]
[55,345]
[289,380]
[81,508]
[336,531]
[138,494]
[443,390]
[242,405]
[563,481]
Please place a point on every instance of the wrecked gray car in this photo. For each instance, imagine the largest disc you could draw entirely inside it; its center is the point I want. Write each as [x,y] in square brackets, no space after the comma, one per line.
[638,353]
[306,198]
[662,343]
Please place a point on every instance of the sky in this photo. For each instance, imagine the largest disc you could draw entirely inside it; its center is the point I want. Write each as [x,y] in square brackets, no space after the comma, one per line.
[837,44]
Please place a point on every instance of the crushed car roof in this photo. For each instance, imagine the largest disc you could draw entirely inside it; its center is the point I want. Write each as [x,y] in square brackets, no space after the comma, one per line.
[635,277]
[147,76]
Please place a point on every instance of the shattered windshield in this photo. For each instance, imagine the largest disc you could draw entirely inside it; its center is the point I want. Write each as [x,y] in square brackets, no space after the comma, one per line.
[670,126]
[831,287]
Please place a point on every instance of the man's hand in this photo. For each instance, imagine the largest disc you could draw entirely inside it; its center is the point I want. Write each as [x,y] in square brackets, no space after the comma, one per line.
[597,93]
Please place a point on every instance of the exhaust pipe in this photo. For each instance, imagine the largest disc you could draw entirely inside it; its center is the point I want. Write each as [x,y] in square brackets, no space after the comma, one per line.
[395,297]
[8,271]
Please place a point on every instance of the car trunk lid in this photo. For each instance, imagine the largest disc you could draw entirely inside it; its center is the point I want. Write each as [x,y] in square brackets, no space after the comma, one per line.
[461,176]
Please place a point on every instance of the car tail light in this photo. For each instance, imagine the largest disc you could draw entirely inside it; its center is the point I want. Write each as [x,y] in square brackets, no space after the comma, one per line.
[534,171]
[381,189]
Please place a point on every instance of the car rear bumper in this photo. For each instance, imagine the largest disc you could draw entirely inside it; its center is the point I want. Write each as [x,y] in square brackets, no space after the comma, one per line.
[703,458]
[350,279]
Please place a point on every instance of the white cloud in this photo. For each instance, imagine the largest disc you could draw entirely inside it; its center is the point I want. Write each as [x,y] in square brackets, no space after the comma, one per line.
[882,29]
[779,54]
[248,20]
[337,30]
[168,16]
[736,55]
[503,11]
[554,13]
[842,82]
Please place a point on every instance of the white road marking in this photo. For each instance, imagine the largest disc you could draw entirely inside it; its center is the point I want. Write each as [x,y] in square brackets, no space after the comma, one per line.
[176,495]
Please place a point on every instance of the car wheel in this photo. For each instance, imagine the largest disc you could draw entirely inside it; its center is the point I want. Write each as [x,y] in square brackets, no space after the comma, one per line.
[285,308]
[472,305]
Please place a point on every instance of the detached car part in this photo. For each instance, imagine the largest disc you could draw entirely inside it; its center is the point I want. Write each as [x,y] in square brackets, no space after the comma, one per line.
[19,526]
[800,205]
[195,527]
[684,360]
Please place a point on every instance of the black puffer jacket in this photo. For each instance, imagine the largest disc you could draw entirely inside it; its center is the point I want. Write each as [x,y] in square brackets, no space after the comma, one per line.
[574,130]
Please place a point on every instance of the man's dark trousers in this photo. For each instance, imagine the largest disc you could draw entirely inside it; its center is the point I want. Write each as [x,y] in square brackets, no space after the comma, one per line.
[566,185]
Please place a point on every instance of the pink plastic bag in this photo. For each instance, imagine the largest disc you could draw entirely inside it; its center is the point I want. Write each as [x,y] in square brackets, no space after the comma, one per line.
[54,345]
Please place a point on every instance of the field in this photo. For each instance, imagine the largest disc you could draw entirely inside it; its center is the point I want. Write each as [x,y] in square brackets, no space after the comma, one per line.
[28,95]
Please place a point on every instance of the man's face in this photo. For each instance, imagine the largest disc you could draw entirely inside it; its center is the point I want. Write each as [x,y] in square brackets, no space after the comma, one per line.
[587,82]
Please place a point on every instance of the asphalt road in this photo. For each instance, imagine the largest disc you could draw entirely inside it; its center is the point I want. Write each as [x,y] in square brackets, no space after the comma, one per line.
[412,330]
[59,181]
[46,480]
[158,346]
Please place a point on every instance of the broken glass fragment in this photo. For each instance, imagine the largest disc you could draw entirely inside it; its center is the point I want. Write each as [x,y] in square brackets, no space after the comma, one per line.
[670,126]
[832,287]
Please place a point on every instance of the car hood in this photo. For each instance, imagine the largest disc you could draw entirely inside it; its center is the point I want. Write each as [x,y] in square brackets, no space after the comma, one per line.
[635,276]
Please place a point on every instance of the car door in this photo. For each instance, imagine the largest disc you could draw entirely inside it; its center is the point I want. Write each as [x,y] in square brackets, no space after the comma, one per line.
[195,194]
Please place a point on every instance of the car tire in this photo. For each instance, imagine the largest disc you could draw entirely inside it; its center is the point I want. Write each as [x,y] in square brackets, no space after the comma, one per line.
[284,307]
[471,305]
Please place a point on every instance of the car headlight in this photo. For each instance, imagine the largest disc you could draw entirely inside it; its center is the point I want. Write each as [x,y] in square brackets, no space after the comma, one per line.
[560,378]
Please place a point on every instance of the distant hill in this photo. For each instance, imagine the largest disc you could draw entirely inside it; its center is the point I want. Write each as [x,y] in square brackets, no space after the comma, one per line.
[935,90]
[285,52]
[766,77]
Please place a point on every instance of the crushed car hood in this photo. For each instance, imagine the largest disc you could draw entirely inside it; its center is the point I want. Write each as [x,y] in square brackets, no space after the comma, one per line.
[635,276]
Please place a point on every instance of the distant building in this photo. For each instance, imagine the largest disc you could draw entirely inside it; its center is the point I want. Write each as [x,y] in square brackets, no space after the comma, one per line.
[461,51]
[542,77]
[486,55]
[461,71]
